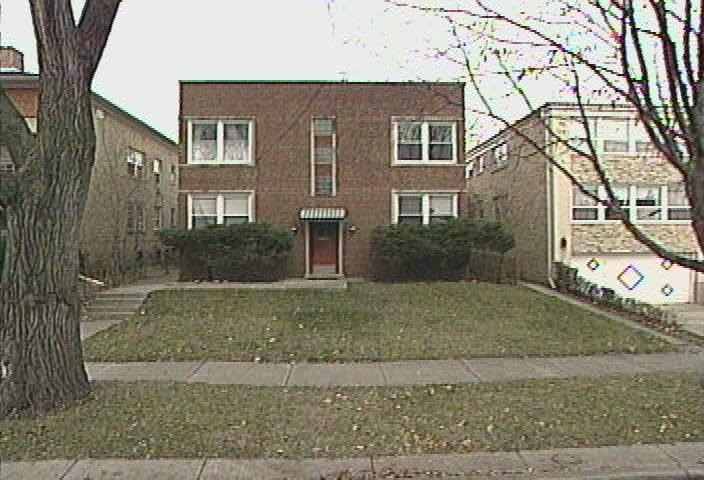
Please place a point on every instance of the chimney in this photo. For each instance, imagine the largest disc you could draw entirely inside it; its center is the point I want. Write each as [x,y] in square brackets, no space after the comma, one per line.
[11,60]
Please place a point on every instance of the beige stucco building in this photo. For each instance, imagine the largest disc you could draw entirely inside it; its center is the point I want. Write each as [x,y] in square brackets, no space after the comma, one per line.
[134,185]
[510,178]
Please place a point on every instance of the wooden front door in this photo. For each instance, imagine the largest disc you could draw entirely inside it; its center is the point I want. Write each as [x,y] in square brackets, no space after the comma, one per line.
[324,248]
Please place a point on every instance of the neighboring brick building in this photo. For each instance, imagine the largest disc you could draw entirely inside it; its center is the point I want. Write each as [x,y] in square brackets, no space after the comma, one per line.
[511,180]
[134,184]
[328,160]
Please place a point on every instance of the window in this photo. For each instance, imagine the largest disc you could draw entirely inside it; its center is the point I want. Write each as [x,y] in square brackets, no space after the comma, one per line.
[648,203]
[173,217]
[584,207]
[7,166]
[577,132]
[140,225]
[204,142]
[135,163]
[677,203]
[220,141]
[621,195]
[425,142]
[641,204]
[500,154]
[156,168]
[613,134]
[610,135]
[235,209]
[324,162]
[157,218]
[424,208]
[410,209]
[441,208]
[204,211]
[218,209]
[172,175]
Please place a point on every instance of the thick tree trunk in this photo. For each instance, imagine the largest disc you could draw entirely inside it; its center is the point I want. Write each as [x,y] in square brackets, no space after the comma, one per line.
[40,347]
[40,343]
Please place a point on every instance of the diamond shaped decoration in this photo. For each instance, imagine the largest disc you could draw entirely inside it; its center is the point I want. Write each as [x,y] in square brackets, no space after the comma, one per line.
[630,277]
[593,264]
[667,290]
[666,264]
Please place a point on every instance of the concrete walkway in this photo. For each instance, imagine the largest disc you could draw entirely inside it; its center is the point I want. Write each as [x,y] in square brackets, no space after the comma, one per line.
[690,316]
[678,461]
[418,372]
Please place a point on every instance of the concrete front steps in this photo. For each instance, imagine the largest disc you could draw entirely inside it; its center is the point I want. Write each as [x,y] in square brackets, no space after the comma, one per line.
[109,308]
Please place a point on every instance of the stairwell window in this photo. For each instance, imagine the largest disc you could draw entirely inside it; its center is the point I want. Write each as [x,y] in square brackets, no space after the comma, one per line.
[324,157]
[228,141]
[425,142]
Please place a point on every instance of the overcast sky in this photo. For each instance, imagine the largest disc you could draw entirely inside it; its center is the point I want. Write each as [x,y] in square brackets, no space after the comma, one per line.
[156,43]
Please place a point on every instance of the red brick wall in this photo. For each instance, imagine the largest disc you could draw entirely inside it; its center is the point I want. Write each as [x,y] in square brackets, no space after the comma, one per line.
[281,175]
[25,100]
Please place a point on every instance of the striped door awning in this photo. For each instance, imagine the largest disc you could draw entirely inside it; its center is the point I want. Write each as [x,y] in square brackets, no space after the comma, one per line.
[322,214]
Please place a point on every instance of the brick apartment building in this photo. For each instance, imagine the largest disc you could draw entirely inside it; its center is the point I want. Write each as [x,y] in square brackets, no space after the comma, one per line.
[512,181]
[134,184]
[328,160]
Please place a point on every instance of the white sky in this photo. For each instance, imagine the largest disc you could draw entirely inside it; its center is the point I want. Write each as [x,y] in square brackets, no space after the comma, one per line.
[156,43]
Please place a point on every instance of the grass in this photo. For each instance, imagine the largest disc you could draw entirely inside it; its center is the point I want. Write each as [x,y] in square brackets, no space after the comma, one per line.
[162,420]
[367,322]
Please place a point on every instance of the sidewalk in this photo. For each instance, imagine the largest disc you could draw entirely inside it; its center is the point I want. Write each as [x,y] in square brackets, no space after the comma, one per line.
[417,372]
[678,461]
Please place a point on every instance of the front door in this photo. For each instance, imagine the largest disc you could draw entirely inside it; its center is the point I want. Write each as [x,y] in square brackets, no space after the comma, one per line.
[324,248]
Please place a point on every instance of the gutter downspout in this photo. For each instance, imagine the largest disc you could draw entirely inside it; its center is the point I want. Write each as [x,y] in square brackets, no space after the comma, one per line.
[550,214]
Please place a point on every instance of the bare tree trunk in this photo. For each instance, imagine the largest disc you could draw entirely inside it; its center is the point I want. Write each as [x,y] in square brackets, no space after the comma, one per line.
[40,345]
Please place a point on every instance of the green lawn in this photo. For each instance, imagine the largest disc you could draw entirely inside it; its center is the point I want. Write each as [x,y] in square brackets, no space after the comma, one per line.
[367,322]
[148,420]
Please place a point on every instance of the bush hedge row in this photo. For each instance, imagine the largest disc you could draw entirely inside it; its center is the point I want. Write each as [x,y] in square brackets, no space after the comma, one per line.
[440,251]
[245,253]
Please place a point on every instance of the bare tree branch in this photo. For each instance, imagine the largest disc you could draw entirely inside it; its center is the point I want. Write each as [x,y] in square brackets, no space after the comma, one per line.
[94,28]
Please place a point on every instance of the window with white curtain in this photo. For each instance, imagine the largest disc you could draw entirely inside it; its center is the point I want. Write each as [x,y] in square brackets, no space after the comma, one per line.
[220,141]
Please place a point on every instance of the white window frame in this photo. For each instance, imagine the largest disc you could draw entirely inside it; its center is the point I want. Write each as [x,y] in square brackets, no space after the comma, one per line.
[156,170]
[219,204]
[425,202]
[313,189]
[631,209]
[135,161]
[500,154]
[220,140]
[637,140]
[425,141]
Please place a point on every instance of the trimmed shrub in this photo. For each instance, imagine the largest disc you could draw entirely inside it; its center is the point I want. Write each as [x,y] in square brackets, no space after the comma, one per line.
[438,251]
[249,252]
